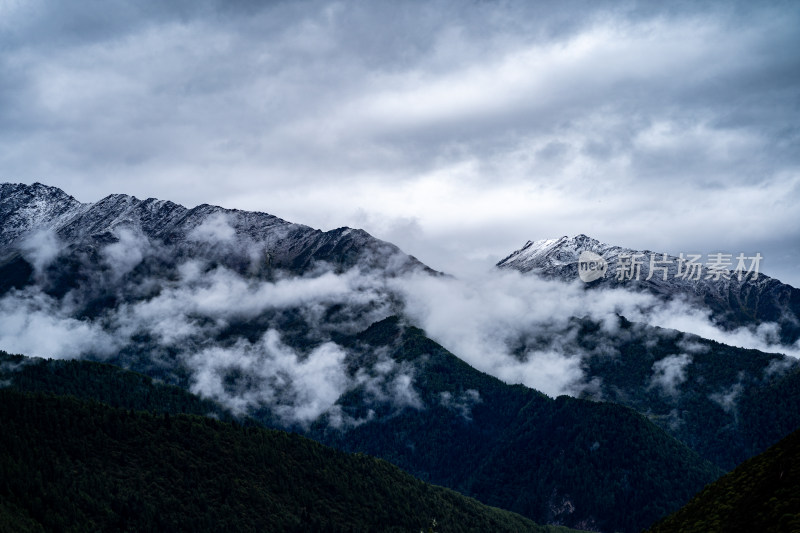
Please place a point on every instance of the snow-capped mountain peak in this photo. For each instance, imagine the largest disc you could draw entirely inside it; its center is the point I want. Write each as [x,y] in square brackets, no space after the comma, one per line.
[237,236]
[552,252]
[735,300]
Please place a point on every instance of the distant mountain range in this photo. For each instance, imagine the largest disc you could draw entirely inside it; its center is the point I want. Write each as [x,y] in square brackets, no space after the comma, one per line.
[294,328]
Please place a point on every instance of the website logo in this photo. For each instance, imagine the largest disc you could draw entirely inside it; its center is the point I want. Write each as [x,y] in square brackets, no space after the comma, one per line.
[591,266]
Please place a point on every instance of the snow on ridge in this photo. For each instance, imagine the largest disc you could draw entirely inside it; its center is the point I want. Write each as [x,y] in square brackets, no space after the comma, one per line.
[26,209]
[547,253]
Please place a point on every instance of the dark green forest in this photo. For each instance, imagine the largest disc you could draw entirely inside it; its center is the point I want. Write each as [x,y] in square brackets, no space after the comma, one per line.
[575,462]
[764,405]
[762,494]
[102,382]
[75,465]
[581,463]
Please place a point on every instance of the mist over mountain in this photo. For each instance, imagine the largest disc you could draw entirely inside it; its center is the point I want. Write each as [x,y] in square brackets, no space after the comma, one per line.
[732,299]
[246,307]
[343,219]
[199,296]
[317,332]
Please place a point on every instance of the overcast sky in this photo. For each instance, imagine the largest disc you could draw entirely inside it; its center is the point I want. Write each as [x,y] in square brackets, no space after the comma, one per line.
[455,129]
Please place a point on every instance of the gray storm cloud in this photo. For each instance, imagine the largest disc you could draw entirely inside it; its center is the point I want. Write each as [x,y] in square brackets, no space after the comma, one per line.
[455,129]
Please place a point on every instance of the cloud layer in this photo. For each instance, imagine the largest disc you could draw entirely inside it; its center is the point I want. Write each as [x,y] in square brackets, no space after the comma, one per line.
[522,329]
[458,130]
[251,343]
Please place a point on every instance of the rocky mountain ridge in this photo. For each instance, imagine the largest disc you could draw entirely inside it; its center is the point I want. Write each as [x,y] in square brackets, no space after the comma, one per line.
[734,300]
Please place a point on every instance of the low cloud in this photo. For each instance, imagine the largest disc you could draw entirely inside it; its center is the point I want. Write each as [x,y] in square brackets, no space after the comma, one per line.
[678,314]
[670,372]
[298,388]
[222,296]
[35,324]
[215,229]
[512,326]
[244,342]
[389,382]
[728,398]
[40,248]
[127,252]
[252,343]
[461,403]
[691,346]
[521,328]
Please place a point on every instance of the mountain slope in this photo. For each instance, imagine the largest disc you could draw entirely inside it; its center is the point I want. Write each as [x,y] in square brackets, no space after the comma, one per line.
[733,302]
[711,396]
[151,284]
[579,463]
[104,383]
[79,465]
[585,464]
[244,241]
[706,394]
[271,320]
[762,494]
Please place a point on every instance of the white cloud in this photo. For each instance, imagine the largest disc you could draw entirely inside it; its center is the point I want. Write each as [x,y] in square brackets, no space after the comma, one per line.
[518,327]
[34,324]
[40,248]
[461,403]
[125,254]
[482,319]
[299,389]
[215,229]
[670,372]
[677,314]
[727,398]
[388,381]
[223,295]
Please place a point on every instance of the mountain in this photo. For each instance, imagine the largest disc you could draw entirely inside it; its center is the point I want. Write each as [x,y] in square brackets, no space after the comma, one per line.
[47,223]
[272,243]
[711,396]
[303,330]
[588,465]
[762,494]
[719,400]
[82,466]
[733,302]
[151,281]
